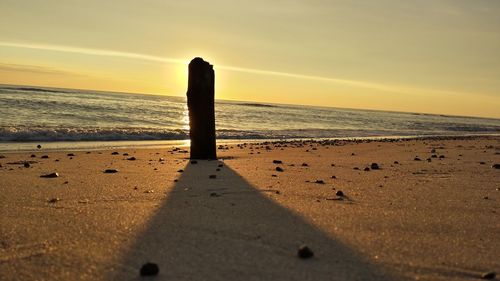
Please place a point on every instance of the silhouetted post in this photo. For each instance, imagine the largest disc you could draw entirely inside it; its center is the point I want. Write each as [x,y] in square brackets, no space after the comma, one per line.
[200,99]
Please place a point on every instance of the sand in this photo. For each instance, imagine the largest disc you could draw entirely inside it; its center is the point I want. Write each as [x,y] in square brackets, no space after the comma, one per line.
[414,220]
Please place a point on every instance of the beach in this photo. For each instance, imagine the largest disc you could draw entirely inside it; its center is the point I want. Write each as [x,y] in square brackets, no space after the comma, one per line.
[408,209]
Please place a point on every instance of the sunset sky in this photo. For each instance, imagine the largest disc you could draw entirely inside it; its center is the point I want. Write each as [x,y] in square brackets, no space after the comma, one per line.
[433,56]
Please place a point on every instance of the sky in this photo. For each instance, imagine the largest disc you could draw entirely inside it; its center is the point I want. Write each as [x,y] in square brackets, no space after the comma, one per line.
[430,56]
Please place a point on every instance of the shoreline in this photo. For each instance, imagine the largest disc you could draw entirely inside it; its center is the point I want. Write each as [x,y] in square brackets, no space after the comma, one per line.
[13,147]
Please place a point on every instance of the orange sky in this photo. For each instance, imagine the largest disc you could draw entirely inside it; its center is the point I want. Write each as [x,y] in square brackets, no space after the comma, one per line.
[426,56]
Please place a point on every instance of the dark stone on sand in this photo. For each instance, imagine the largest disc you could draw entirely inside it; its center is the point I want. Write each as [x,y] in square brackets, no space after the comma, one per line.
[125,154]
[339,193]
[352,154]
[334,177]
[396,162]
[488,275]
[496,166]
[38,146]
[149,269]
[214,194]
[367,169]
[33,156]
[433,150]
[416,159]
[218,169]
[161,159]
[482,163]
[212,176]
[279,169]
[26,165]
[110,171]
[305,165]
[320,181]
[51,175]
[441,156]
[220,165]
[132,158]
[356,168]
[194,162]
[54,200]
[434,156]
[115,153]
[70,154]
[44,157]
[180,171]
[304,252]
[374,166]
[277,162]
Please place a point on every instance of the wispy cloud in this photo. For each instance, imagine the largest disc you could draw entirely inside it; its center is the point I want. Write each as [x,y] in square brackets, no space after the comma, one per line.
[11,67]
[110,53]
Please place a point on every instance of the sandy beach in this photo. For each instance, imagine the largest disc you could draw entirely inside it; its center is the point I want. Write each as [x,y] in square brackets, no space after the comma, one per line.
[428,209]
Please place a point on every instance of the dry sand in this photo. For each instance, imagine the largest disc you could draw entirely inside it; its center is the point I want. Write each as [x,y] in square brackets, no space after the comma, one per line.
[437,220]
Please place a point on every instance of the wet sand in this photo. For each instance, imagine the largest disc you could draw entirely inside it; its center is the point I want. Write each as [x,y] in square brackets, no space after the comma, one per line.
[241,218]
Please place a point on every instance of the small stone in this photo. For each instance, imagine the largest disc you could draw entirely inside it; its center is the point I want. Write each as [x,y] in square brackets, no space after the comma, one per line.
[161,159]
[434,156]
[304,252]
[320,181]
[441,156]
[212,176]
[339,193]
[214,194]
[396,162]
[38,146]
[374,166]
[125,154]
[194,162]
[33,156]
[51,175]
[334,177]
[132,158]
[482,163]
[367,169]
[149,269]
[488,275]
[110,171]
[115,153]
[54,200]
[495,166]
[44,157]
[305,165]
[356,168]
[416,159]
[26,165]
[180,171]
[70,154]
[277,162]
[279,169]
[220,165]
[218,169]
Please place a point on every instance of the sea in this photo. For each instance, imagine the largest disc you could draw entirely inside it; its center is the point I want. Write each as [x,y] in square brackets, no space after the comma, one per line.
[84,119]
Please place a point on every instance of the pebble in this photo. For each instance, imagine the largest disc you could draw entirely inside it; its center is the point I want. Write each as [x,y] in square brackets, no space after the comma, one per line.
[304,252]
[26,165]
[320,181]
[396,162]
[374,166]
[214,194]
[277,162]
[44,156]
[132,158]
[70,154]
[180,171]
[161,159]
[149,269]
[125,154]
[305,165]
[367,169]
[38,146]
[279,169]
[339,193]
[220,165]
[482,163]
[488,275]
[416,159]
[54,200]
[51,175]
[334,177]
[496,166]
[33,156]
[115,153]
[110,171]
[212,176]
[441,156]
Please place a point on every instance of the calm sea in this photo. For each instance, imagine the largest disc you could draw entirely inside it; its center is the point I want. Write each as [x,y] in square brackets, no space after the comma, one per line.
[39,114]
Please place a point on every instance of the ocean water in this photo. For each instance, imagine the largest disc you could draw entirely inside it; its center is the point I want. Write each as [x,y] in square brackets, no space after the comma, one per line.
[39,114]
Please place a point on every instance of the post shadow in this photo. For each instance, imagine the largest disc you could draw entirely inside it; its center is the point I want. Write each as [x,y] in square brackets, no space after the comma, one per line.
[227,229]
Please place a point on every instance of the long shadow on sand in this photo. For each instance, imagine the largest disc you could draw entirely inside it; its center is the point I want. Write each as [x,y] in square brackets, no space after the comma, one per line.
[227,229]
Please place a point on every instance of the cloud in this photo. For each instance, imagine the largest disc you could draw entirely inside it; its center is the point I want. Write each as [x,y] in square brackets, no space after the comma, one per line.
[34,69]
[110,53]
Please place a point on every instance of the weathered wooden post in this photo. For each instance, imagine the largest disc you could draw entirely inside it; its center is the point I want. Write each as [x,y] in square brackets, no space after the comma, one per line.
[200,100]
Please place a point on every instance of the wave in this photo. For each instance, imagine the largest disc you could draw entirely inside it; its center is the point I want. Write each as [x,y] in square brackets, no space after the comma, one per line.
[256,104]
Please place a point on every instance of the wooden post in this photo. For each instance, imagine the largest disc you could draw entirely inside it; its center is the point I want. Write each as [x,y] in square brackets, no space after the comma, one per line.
[200,100]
